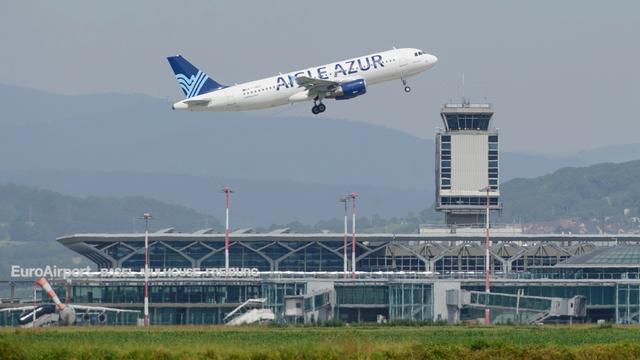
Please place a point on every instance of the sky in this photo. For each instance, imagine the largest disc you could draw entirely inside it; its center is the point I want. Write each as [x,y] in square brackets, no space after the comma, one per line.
[562,76]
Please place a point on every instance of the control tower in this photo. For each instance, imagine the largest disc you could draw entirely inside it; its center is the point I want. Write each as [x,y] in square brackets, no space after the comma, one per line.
[466,163]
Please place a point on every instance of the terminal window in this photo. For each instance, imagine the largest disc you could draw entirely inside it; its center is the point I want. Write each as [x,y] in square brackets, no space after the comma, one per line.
[445,162]
[492,157]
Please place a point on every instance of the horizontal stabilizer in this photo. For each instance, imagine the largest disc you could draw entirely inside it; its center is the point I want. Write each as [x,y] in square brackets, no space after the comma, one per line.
[197,102]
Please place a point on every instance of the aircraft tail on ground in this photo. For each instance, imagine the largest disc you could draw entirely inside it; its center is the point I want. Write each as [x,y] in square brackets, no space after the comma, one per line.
[44,284]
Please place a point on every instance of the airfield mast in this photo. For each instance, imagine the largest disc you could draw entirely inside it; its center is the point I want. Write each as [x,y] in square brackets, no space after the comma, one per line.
[345,200]
[353,196]
[226,190]
[146,217]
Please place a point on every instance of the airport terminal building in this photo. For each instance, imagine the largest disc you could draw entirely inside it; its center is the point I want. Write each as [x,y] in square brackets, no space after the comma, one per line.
[398,277]
[437,274]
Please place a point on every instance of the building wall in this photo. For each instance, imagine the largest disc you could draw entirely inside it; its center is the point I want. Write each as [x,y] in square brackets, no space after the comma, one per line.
[468,163]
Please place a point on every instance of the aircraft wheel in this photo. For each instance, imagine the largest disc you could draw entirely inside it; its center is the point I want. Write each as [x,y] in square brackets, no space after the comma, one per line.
[321,108]
[407,89]
[315,110]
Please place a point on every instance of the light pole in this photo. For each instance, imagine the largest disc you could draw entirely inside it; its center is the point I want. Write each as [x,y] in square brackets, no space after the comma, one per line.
[345,199]
[146,217]
[353,196]
[487,265]
[226,190]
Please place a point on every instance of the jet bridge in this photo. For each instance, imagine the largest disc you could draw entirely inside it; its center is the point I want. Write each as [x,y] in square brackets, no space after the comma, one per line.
[529,309]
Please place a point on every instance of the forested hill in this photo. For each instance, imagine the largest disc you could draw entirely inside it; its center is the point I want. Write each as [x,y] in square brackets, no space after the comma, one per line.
[609,192]
[31,219]
[30,214]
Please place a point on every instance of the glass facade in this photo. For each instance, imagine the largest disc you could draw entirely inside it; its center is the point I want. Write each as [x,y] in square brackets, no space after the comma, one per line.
[361,302]
[362,294]
[410,301]
[384,260]
[628,304]
[465,263]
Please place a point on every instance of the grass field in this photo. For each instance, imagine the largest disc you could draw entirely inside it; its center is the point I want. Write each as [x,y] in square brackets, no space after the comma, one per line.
[357,342]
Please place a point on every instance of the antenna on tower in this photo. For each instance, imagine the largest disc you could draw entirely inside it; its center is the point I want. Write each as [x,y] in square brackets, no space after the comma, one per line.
[463,100]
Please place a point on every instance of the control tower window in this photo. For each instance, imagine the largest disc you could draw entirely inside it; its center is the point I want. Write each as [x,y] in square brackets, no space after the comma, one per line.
[468,121]
[468,200]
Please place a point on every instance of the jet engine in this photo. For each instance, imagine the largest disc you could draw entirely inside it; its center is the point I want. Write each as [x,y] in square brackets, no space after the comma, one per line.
[67,316]
[350,89]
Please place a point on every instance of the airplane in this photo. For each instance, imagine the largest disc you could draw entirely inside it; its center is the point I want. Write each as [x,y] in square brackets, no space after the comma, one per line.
[58,313]
[341,80]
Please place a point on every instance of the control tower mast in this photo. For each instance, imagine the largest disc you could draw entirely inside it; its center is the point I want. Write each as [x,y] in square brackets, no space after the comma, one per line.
[466,163]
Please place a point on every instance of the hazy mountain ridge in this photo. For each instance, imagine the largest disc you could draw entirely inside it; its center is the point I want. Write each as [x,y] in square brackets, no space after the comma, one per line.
[255,203]
[32,214]
[604,193]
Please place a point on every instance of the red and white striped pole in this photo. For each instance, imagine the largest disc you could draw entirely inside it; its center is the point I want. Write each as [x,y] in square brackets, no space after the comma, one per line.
[353,235]
[345,199]
[226,191]
[146,217]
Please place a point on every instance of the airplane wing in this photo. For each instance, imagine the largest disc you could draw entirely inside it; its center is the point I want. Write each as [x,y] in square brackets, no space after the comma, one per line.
[20,308]
[102,309]
[316,86]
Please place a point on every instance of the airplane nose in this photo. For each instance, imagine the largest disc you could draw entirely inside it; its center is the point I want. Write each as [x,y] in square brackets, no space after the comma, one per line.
[431,59]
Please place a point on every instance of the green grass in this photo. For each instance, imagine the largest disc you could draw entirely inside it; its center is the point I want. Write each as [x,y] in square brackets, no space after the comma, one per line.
[357,342]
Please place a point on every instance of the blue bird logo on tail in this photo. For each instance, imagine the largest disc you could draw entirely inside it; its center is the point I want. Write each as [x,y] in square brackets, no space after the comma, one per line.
[192,85]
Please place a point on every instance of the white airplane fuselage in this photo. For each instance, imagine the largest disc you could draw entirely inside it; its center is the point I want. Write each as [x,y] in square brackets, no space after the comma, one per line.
[283,89]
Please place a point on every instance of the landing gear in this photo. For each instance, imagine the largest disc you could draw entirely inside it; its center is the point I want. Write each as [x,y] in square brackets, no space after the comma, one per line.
[407,88]
[318,107]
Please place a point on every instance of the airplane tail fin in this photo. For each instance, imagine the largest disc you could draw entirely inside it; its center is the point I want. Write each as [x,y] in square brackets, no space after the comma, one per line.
[192,81]
[44,284]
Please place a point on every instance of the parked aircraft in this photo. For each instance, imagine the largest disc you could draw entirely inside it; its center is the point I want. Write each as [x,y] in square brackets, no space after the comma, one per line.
[60,314]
